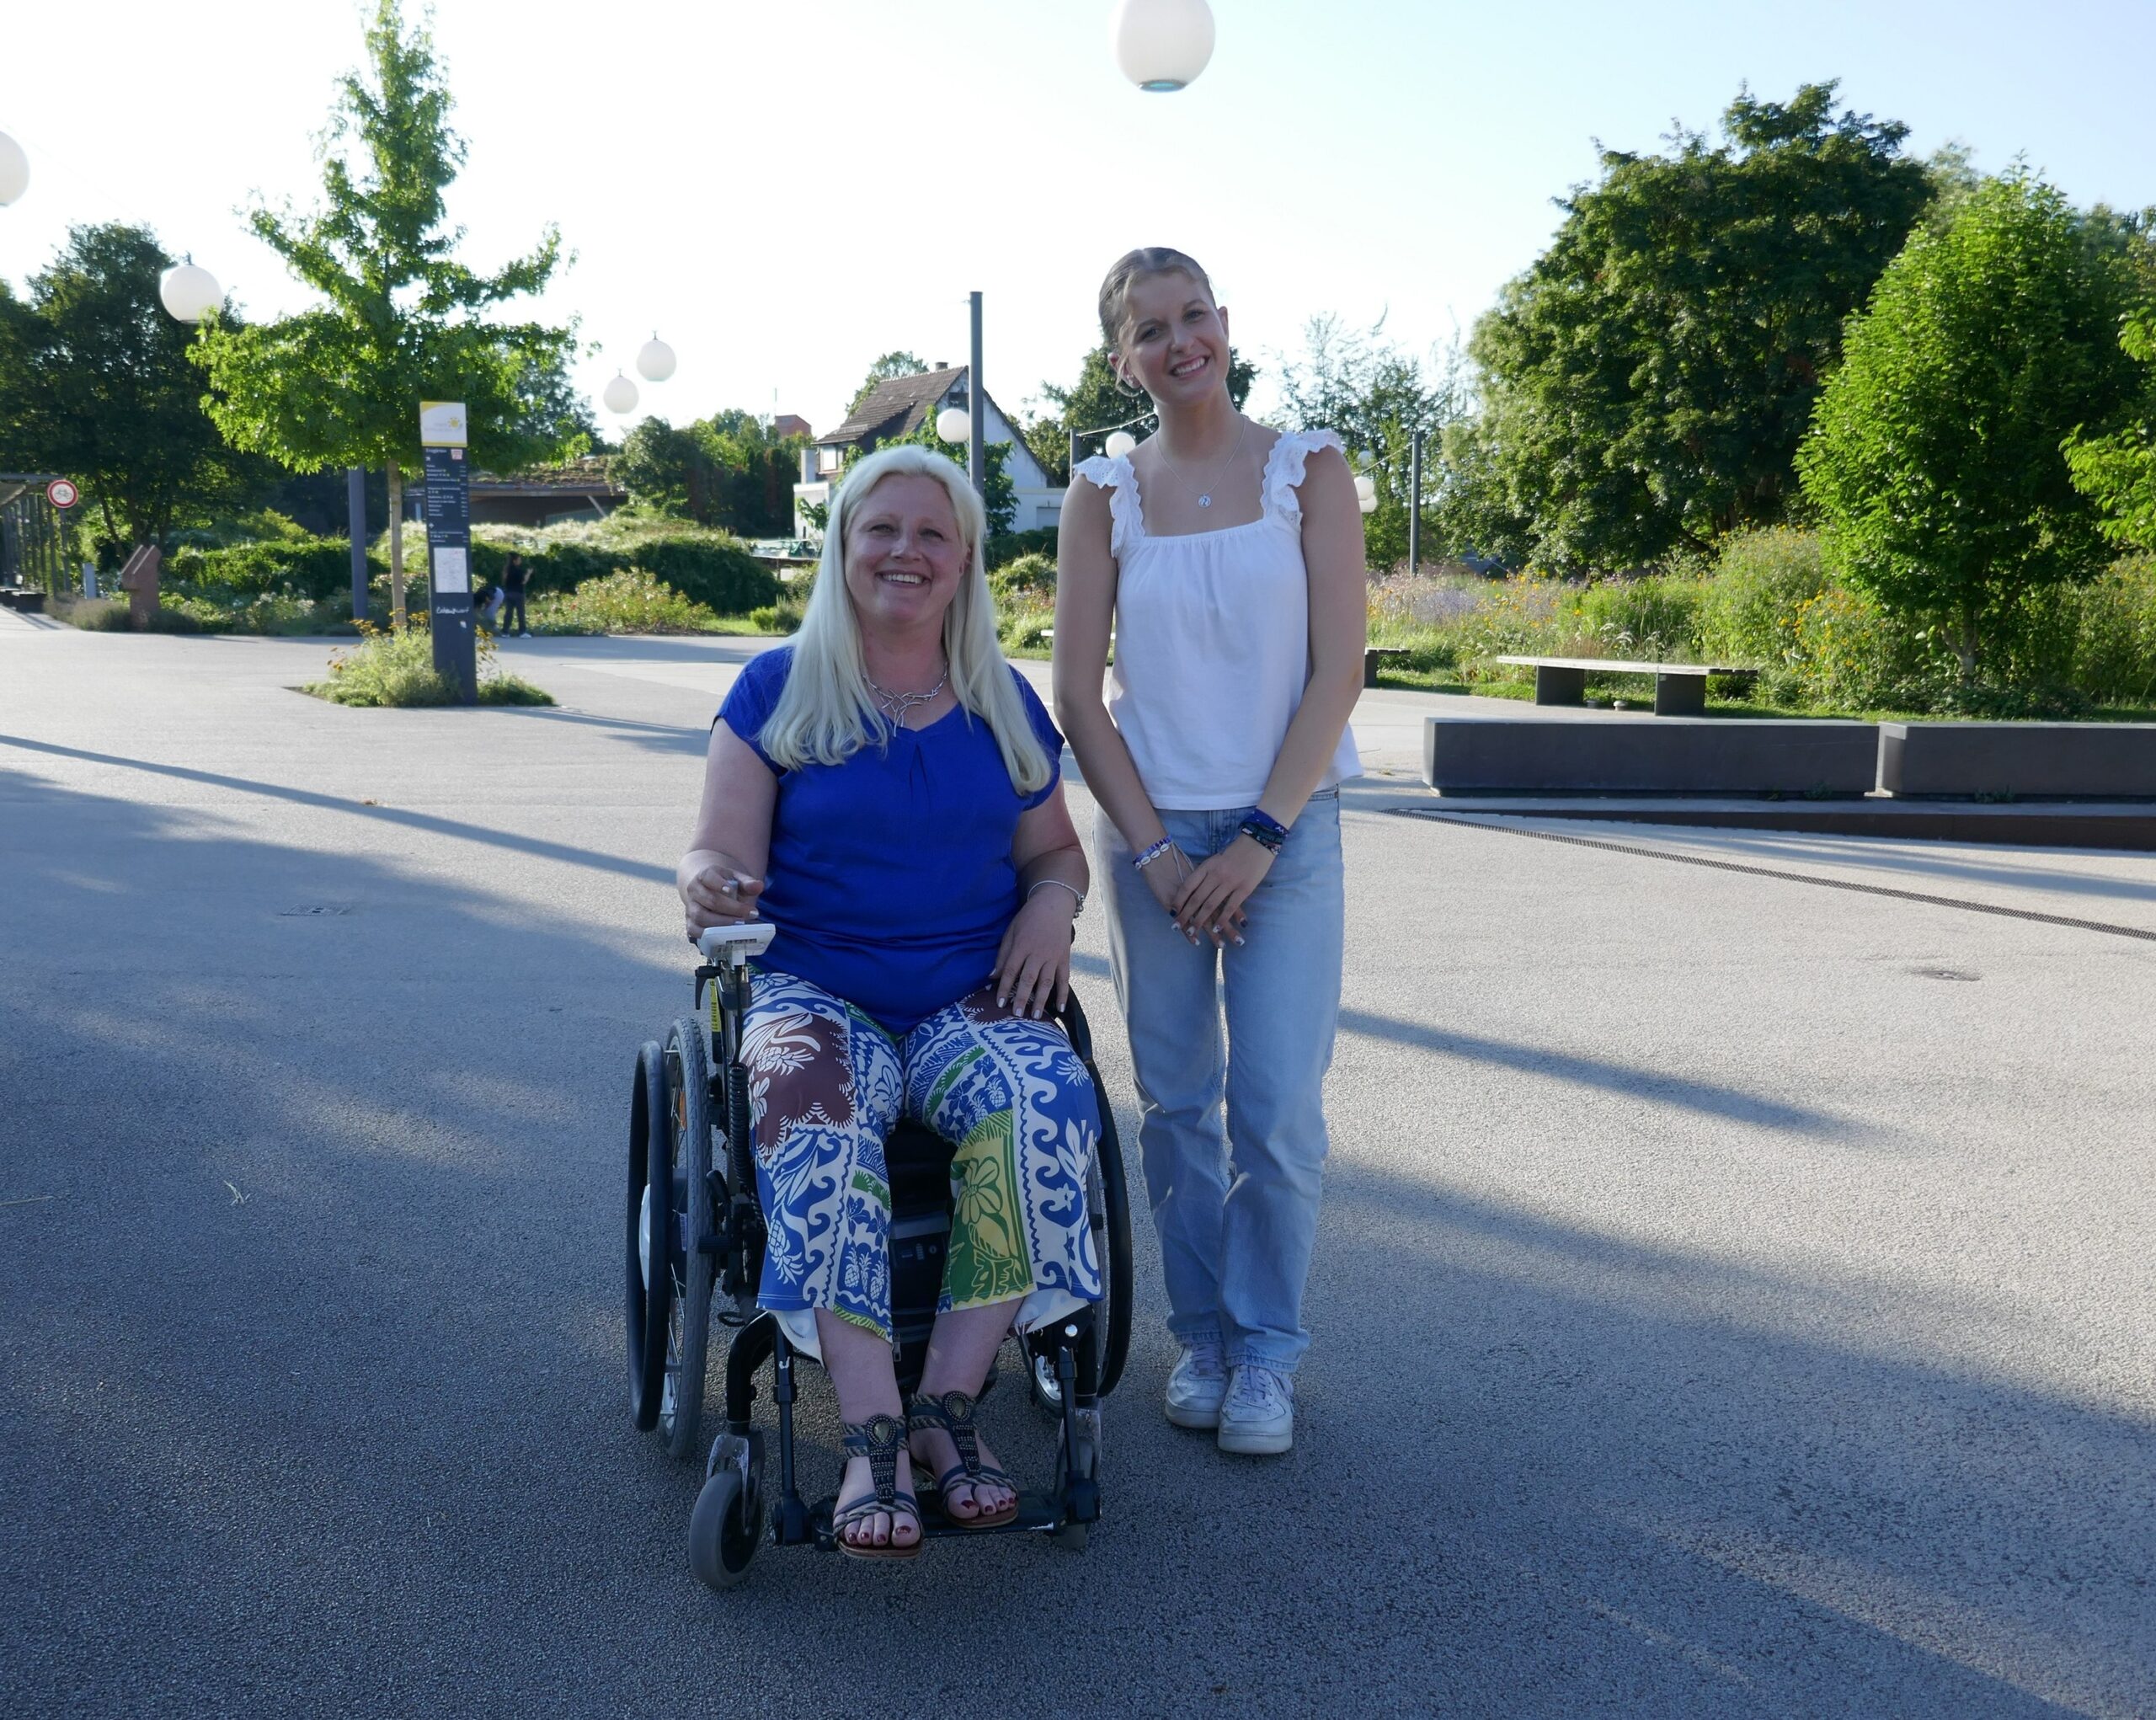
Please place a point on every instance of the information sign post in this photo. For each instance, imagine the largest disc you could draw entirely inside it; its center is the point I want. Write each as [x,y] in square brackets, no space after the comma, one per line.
[443,445]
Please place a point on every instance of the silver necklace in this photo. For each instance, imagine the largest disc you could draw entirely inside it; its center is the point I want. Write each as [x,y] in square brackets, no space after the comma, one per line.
[1205,496]
[899,706]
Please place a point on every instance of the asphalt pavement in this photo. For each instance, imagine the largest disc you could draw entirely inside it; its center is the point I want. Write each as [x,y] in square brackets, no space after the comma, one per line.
[1734,1295]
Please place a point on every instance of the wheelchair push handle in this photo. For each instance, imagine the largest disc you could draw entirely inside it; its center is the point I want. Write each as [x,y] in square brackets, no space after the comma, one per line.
[729,946]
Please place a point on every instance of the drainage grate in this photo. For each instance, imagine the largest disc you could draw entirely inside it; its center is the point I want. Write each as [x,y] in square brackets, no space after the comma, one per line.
[1862,889]
[319,911]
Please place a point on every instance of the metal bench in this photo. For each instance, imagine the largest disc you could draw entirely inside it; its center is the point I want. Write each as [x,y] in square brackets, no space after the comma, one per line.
[1680,689]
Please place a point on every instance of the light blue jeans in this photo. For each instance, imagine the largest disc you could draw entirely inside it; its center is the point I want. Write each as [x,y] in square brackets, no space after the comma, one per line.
[1233,1136]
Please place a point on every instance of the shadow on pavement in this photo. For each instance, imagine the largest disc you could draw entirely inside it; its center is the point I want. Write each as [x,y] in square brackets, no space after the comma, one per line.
[311,1395]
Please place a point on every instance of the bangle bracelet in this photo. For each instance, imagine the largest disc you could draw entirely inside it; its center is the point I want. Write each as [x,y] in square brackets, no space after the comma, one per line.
[1142,861]
[1042,883]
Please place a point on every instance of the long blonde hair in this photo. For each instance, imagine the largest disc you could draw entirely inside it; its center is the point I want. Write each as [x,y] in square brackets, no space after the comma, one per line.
[825,714]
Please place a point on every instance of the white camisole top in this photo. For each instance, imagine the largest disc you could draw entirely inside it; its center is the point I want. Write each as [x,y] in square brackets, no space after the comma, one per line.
[1211,639]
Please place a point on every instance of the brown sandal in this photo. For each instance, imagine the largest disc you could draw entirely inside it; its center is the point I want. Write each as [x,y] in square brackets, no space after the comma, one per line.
[952,1413]
[878,1438]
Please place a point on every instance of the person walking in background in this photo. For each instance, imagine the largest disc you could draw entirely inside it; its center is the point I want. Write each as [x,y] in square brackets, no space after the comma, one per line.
[513,581]
[1228,557]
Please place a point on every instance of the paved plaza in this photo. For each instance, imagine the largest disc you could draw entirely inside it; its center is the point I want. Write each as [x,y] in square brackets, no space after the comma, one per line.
[1735,1295]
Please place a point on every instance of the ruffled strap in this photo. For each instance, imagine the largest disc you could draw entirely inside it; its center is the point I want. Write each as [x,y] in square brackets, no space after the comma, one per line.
[1126,512]
[1283,468]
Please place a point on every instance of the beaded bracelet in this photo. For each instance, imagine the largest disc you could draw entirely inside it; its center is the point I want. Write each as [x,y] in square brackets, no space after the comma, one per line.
[1042,883]
[1142,861]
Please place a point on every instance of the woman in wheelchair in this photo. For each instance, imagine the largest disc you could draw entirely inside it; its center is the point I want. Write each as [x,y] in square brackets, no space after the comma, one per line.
[886,790]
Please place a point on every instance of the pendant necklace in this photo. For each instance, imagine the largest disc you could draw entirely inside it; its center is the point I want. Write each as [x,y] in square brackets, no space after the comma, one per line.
[1205,496]
[897,706]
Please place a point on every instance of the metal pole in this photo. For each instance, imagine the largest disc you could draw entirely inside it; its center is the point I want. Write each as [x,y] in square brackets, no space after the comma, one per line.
[976,452]
[356,507]
[1414,504]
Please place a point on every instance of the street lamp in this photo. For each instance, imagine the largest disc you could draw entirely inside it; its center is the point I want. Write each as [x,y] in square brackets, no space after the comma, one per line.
[954,423]
[620,396]
[1366,493]
[15,170]
[1119,443]
[655,361]
[189,291]
[1161,45]
[1119,440]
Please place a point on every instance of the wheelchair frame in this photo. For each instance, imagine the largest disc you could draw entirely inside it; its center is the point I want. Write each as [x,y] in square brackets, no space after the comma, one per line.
[695,1236]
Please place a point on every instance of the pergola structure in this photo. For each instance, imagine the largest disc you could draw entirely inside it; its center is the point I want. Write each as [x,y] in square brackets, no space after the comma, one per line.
[34,537]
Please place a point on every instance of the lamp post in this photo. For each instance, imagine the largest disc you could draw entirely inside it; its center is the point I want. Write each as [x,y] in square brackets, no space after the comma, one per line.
[15,170]
[1161,45]
[969,424]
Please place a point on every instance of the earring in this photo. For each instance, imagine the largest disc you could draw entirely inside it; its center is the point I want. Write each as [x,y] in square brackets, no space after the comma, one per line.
[1128,389]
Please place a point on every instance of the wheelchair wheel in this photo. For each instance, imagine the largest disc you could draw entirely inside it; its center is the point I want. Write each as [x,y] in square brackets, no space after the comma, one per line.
[649,1227]
[727,1527]
[688,1120]
[1107,1206]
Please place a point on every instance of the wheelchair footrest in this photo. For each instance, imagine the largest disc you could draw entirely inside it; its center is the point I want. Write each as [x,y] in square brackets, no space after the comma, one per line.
[1038,1512]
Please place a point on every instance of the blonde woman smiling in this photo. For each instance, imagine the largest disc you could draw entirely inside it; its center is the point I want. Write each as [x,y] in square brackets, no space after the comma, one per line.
[1228,558]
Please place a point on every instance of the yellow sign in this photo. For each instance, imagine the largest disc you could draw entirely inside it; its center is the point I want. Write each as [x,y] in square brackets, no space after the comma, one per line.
[441,424]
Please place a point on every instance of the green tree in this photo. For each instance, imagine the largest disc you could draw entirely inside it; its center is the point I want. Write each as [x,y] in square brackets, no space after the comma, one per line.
[2118,471]
[401,318]
[1376,396]
[95,384]
[1935,459]
[727,470]
[999,494]
[1645,385]
[1094,402]
[891,364]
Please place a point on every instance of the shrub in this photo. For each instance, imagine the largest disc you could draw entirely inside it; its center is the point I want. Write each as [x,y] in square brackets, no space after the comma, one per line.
[1026,579]
[712,568]
[1651,617]
[2115,633]
[397,669]
[715,571]
[631,602]
[1759,581]
[1008,545]
[316,568]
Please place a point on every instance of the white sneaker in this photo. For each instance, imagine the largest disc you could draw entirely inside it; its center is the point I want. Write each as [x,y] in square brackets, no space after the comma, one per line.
[1197,1385]
[1258,1417]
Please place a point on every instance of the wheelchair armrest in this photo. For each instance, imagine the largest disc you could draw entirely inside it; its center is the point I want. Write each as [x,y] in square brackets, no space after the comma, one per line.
[1072,1020]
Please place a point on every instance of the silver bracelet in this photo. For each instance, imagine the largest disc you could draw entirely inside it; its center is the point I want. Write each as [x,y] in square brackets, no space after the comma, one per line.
[1074,889]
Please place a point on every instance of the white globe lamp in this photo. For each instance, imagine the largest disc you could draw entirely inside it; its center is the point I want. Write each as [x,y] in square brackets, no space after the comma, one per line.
[954,423]
[15,170]
[1119,443]
[1366,492]
[189,291]
[655,360]
[620,395]
[1161,45]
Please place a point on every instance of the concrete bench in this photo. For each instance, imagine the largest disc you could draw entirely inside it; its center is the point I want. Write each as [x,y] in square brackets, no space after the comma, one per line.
[2023,760]
[1373,658]
[1680,689]
[1676,755]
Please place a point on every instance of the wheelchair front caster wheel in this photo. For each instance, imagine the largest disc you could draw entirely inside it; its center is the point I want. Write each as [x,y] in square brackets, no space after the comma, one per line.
[722,1540]
[1069,1485]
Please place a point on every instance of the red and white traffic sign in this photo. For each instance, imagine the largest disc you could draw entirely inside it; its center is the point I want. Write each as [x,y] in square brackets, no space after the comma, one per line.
[61,493]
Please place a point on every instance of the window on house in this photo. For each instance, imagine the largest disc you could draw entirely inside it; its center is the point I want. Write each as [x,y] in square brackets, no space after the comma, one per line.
[827,459]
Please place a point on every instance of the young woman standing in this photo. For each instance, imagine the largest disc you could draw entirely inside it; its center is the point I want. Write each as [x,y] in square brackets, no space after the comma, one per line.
[1228,560]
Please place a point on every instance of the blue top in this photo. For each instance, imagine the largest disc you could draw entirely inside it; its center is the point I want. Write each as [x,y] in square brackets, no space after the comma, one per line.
[890,881]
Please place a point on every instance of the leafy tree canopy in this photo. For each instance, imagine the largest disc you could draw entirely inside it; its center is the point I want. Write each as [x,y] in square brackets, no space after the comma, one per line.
[1094,402]
[1647,383]
[727,470]
[1376,395]
[891,364]
[2118,471]
[1935,459]
[95,384]
[401,318]
[999,494]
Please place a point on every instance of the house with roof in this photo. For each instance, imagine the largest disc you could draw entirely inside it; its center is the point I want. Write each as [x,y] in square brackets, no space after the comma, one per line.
[899,405]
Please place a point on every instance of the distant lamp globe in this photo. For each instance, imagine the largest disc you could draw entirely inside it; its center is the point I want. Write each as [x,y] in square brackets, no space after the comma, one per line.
[15,170]
[1366,493]
[1119,443]
[954,423]
[655,360]
[1161,45]
[620,395]
[189,291]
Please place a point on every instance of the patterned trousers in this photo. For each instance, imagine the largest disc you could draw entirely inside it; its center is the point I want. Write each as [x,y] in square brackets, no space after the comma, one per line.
[827,1084]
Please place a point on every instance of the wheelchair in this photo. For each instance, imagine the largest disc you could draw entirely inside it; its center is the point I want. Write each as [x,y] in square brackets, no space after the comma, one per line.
[695,1247]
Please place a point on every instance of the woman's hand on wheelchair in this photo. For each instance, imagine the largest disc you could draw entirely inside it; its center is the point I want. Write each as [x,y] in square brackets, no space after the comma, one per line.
[717,895]
[1032,968]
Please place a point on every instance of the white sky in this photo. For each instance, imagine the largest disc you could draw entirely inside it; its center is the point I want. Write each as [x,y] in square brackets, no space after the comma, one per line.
[785,189]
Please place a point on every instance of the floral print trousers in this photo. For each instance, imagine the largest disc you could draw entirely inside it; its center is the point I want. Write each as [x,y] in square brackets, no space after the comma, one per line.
[827,1084]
